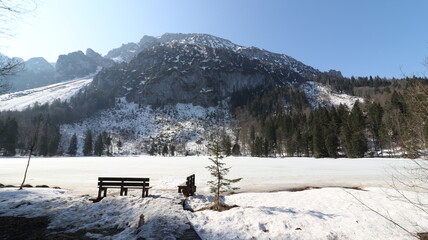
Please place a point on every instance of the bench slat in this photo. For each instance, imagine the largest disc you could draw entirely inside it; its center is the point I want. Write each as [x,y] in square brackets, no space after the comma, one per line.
[123,179]
[125,184]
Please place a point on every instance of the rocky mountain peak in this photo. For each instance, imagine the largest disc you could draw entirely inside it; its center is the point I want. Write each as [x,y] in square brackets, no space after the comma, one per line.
[38,64]
[178,72]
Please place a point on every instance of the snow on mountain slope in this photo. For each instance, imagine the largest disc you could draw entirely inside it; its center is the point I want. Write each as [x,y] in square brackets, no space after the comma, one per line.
[47,94]
[320,95]
[127,51]
[139,127]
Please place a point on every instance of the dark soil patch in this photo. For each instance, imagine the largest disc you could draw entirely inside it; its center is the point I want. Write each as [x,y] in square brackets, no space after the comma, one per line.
[423,236]
[221,208]
[23,228]
[189,234]
[18,228]
[82,234]
[299,189]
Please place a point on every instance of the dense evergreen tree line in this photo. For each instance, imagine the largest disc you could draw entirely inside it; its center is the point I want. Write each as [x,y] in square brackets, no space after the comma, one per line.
[366,129]
[278,122]
[8,136]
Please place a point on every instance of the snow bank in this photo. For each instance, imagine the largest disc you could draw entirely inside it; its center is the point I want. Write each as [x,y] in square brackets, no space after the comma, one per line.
[329,213]
[158,217]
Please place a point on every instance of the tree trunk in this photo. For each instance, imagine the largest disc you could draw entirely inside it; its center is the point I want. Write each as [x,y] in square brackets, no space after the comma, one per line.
[32,146]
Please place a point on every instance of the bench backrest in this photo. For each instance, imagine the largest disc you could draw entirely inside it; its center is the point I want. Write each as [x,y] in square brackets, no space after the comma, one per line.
[123,181]
[190,180]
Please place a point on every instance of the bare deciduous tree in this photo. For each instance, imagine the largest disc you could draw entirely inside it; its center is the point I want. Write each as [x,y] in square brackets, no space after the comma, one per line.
[34,140]
[10,11]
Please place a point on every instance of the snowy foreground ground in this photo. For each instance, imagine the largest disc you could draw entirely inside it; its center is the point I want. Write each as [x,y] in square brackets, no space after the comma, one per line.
[328,213]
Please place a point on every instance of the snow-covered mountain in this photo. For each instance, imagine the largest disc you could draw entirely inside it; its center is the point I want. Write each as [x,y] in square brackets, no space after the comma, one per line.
[176,72]
[37,72]
[128,51]
[171,89]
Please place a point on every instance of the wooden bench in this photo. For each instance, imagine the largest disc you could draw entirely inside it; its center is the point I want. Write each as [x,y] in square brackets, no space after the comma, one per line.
[188,188]
[124,184]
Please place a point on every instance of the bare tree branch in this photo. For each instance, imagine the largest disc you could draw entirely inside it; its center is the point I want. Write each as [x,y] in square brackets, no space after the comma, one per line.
[382,215]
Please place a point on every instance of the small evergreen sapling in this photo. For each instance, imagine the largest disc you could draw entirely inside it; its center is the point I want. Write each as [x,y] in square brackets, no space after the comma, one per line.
[220,184]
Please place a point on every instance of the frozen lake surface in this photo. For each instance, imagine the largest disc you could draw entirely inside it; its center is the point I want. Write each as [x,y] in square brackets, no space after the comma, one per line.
[80,174]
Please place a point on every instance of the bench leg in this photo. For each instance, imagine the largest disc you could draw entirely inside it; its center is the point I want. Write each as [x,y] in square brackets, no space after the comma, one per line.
[126,192]
[105,192]
[99,192]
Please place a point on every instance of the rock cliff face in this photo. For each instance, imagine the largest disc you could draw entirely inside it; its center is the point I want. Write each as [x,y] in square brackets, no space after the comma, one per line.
[333,73]
[77,64]
[74,65]
[124,53]
[127,52]
[98,59]
[177,72]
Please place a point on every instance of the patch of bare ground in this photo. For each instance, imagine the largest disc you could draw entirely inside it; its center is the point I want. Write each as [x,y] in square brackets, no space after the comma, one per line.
[221,208]
[23,228]
[299,189]
[423,236]
[17,228]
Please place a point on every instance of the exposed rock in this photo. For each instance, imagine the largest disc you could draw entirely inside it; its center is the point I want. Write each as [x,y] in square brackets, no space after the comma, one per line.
[124,53]
[98,59]
[177,72]
[333,73]
[74,65]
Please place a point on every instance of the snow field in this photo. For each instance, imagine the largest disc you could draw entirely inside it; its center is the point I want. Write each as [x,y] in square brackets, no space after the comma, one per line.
[21,100]
[327,213]
[318,93]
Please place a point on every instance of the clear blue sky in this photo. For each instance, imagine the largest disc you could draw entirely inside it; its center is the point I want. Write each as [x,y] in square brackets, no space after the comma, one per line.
[358,37]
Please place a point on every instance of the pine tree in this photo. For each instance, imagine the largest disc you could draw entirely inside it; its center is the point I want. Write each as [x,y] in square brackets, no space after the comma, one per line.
[217,169]
[99,146]
[172,150]
[72,148]
[358,140]
[54,140]
[106,138]
[374,119]
[165,150]
[44,142]
[236,150]
[119,145]
[226,144]
[87,145]
[331,134]
[319,132]
[152,150]
[10,137]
